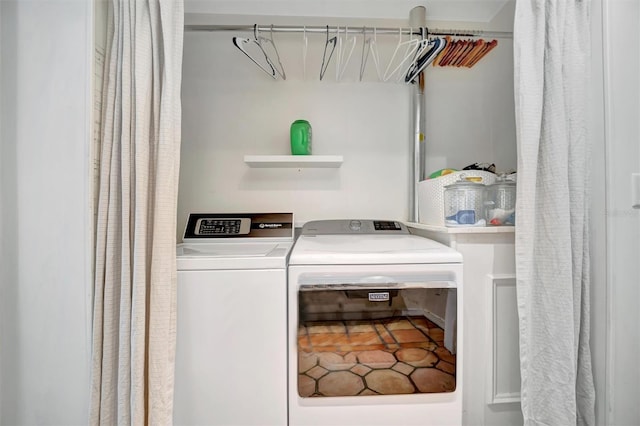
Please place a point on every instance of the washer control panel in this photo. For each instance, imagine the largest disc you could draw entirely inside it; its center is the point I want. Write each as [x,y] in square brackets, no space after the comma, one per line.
[354,226]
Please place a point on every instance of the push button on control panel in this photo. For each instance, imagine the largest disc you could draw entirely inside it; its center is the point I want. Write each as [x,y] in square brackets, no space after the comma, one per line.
[355,225]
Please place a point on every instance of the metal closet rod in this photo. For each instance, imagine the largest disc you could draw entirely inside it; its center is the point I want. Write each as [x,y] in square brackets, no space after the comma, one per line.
[348,29]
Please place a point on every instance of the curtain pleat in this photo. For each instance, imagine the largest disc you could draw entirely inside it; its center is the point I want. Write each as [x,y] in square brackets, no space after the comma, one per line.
[551,57]
[135,276]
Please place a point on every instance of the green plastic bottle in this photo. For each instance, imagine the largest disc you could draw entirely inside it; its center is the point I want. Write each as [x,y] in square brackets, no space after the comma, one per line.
[301,137]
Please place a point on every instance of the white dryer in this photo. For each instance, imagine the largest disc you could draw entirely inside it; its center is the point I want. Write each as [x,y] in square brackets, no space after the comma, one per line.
[375,333]
[231,359]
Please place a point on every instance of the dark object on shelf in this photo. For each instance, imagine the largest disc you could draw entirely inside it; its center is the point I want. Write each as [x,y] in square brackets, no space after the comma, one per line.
[481,166]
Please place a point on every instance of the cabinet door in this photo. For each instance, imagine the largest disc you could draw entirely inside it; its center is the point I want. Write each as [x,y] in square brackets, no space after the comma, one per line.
[504,380]
[231,356]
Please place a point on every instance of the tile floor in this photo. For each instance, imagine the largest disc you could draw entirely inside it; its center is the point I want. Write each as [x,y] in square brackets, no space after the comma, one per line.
[398,355]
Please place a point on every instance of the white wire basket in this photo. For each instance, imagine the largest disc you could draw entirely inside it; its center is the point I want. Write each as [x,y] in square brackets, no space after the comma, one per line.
[431,193]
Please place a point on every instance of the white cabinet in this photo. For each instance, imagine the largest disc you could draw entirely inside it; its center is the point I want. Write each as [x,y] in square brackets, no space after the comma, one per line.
[491,371]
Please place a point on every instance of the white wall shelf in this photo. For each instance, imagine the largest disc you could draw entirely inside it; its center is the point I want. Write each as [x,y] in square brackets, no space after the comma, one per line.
[464,230]
[293,161]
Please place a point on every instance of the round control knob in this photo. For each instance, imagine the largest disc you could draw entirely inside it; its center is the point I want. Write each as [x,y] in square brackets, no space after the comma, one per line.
[355,225]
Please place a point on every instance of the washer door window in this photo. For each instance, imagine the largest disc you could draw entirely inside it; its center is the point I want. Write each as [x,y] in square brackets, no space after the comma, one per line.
[376,339]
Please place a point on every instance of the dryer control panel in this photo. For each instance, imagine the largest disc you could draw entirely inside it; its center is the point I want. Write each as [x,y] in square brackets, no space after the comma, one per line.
[222,226]
[216,226]
[354,226]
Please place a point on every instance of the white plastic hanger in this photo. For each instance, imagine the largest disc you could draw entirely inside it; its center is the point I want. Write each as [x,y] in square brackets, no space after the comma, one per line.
[410,47]
[244,43]
[365,51]
[268,46]
[338,56]
[423,46]
[347,45]
[305,45]
[375,55]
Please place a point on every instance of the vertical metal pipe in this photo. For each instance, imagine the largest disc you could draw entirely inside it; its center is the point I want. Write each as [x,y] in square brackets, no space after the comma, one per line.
[417,18]
[418,141]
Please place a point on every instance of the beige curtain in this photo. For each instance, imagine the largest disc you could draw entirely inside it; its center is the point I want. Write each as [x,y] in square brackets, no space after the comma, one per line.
[135,274]
[551,57]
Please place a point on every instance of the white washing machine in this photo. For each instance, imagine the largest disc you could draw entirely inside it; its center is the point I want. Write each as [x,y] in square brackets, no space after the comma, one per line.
[231,358]
[375,333]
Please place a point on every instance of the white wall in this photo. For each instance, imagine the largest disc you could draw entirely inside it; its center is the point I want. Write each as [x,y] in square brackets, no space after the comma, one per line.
[2,224]
[598,243]
[44,263]
[622,103]
[231,109]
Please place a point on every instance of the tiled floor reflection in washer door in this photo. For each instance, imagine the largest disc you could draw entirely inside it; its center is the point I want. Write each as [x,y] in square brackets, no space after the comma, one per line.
[398,355]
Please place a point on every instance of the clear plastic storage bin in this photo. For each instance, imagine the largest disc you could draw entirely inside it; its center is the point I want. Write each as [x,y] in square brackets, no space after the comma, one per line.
[501,203]
[463,204]
[431,193]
